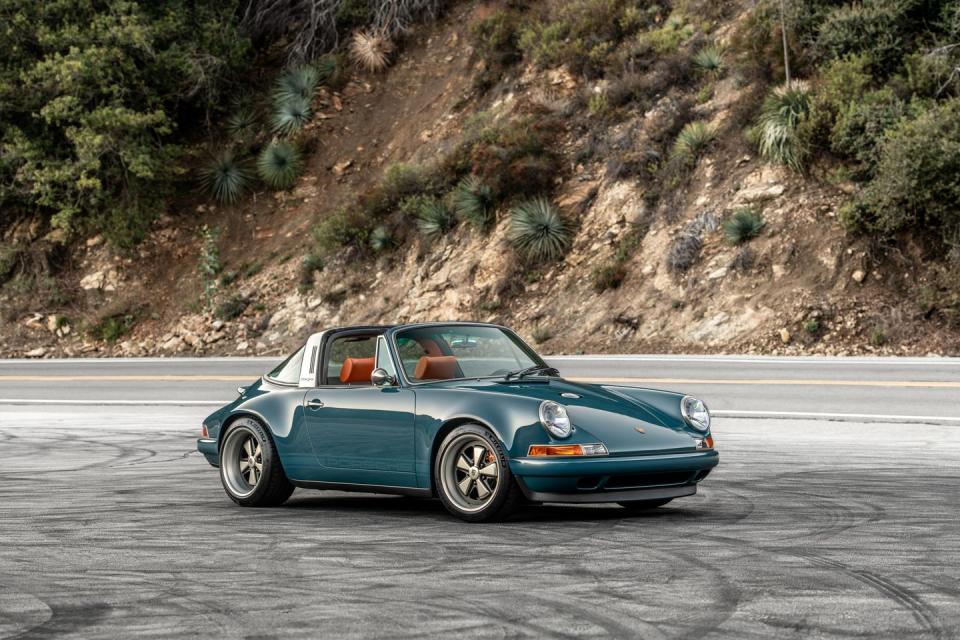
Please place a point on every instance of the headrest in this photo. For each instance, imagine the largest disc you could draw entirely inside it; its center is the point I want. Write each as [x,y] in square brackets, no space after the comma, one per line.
[436,368]
[356,370]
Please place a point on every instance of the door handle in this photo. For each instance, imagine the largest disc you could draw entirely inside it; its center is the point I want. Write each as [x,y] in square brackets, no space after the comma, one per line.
[315,403]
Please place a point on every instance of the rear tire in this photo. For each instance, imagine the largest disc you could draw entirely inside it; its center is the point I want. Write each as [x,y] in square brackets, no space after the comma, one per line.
[250,467]
[644,505]
[472,476]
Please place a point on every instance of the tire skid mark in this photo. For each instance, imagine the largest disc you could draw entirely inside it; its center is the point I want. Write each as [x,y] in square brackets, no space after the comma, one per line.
[923,613]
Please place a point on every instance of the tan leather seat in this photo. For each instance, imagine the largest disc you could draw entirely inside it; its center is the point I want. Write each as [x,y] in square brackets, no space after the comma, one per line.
[436,368]
[356,370]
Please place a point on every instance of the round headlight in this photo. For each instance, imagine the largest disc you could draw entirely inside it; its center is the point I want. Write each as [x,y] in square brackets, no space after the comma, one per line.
[695,413]
[554,417]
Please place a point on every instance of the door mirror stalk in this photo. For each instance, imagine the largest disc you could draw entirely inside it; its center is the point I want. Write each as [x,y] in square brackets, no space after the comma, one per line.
[380,378]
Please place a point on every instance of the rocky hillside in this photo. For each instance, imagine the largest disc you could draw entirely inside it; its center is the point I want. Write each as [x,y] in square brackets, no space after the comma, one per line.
[664,225]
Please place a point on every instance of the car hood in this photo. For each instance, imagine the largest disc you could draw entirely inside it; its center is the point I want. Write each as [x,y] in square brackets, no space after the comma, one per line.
[628,420]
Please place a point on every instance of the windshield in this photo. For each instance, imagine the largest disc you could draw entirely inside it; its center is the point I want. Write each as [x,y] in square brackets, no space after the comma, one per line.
[451,352]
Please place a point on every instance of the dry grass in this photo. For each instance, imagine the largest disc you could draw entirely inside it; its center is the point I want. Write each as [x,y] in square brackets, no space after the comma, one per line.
[371,50]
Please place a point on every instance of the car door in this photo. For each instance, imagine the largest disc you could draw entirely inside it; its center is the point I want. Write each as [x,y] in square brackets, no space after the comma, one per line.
[360,434]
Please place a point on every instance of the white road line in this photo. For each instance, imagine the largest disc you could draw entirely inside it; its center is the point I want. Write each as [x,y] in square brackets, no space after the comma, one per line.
[767,360]
[872,417]
[115,403]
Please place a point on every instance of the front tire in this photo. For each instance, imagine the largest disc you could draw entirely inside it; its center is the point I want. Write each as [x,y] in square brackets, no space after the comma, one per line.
[250,467]
[472,476]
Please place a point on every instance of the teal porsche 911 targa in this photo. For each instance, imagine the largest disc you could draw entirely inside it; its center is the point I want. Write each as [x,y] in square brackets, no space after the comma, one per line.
[464,412]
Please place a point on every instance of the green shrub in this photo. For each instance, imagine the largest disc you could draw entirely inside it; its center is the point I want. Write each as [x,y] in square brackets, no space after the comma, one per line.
[252,270]
[608,276]
[777,129]
[693,140]
[874,28]
[435,218]
[10,256]
[473,202]
[231,308]
[92,98]
[709,59]
[917,181]
[860,127]
[346,227]
[538,231]
[496,40]
[401,180]
[291,115]
[225,177]
[279,165]
[113,327]
[743,225]
[668,37]
[381,239]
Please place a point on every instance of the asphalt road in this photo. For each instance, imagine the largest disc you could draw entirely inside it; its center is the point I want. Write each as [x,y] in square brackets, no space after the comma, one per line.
[113,526]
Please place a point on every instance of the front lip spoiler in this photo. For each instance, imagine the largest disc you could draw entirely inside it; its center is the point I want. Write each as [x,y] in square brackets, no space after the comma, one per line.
[625,495]
[610,465]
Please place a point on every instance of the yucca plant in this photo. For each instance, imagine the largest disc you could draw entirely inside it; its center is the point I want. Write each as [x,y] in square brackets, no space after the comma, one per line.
[279,164]
[381,239]
[473,202]
[300,82]
[744,224]
[537,230]
[291,115]
[693,140]
[242,123]
[782,112]
[709,59]
[225,177]
[371,49]
[435,218]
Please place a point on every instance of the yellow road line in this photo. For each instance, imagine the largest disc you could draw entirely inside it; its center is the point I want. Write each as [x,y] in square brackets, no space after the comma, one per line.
[664,381]
[781,381]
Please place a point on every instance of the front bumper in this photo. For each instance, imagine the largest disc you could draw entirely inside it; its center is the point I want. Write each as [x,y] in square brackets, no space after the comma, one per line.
[208,447]
[612,479]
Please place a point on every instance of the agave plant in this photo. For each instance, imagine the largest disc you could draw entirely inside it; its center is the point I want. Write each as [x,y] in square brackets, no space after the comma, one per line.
[693,140]
[473,202]
[709,59]
[537,230]
[225,177]
[381,239]
[300,82]
[291,115]
[371,49]
[279,164]
[242,123]
[782,111]
[744,224]
[435,218]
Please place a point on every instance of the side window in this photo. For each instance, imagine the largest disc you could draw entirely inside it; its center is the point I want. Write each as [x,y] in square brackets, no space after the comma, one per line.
[288,371]
[350,360]
[384,361]
[410,352]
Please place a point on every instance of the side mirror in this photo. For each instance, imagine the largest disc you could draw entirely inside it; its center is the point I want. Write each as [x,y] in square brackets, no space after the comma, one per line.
[380,378]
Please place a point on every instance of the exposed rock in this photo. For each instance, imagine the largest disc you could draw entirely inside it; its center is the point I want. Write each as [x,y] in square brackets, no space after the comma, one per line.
[103,280]
[859,275]
[785,335]
[39,352]
[173,344]
[52,323]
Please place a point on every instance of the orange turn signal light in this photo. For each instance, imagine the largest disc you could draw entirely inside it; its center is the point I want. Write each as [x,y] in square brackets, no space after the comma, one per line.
[555,450]
[709,442]
[204,433]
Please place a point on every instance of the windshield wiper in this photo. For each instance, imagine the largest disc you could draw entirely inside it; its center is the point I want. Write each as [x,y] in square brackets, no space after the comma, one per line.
[519,373]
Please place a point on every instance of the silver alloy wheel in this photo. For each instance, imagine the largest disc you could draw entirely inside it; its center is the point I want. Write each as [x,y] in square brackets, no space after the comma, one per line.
[469,472]
[242,461]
